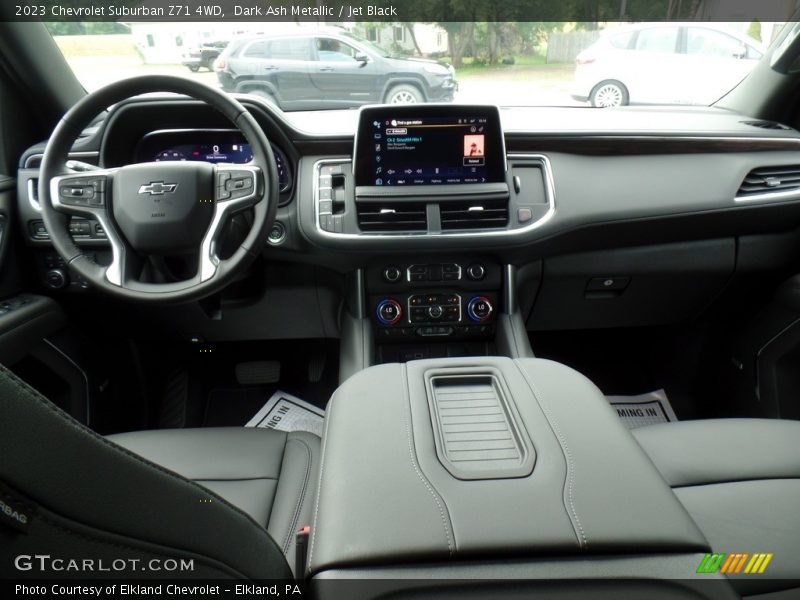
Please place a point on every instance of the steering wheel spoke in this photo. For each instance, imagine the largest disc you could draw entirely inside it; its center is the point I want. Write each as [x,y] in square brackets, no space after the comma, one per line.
[88,194]
[237,187]
[82,193]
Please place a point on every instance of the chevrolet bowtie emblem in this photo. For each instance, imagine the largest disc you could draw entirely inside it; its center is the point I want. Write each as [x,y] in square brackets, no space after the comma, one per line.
[158,188]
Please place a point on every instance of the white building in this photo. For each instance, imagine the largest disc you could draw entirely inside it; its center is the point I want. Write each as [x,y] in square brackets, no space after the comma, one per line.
[431,39]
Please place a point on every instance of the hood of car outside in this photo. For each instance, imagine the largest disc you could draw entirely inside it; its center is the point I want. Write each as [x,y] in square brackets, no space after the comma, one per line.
[420,63]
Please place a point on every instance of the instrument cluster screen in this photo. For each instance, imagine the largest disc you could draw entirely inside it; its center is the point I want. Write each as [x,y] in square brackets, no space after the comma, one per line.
[223,152]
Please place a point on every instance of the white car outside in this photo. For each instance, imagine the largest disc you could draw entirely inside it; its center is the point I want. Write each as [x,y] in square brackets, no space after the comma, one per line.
[663,63]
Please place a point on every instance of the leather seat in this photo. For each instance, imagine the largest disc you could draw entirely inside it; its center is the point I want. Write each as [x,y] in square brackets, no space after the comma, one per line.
[229,499]
[739,479]
[270,475]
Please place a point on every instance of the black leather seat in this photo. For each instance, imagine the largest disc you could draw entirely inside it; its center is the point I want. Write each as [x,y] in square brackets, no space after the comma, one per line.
[231,499]
[739,479]
[270,475]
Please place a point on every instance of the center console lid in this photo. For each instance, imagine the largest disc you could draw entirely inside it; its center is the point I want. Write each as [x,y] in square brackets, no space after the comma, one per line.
[465,459]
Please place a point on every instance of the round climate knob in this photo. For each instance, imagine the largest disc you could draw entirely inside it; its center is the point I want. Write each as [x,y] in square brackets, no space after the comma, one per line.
[389,311]
[480,309]
[435,311]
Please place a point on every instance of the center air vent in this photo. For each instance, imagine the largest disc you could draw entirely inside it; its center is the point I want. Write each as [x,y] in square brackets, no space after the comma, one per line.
[397,216]
[766,180]
[476,214]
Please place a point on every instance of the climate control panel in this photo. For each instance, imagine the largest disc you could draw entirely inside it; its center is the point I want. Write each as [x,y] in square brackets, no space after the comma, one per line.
[441,314]
[434,298]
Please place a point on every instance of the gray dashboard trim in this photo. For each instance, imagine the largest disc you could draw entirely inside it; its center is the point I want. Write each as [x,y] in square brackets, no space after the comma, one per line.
[483,235]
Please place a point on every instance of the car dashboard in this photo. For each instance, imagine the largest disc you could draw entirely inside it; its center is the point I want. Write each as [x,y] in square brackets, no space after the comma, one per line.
[596,219]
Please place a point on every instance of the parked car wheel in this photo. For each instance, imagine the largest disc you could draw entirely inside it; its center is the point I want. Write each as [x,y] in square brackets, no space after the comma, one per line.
[194,68]
[608,94]
[404,94]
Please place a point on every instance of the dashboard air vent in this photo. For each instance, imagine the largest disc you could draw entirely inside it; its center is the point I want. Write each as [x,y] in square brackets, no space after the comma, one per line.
[475,214]
[766,125]
[765,180]
[392,216]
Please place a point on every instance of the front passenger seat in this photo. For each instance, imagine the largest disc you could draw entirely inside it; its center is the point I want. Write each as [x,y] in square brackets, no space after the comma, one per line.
[739,479]
[230,500]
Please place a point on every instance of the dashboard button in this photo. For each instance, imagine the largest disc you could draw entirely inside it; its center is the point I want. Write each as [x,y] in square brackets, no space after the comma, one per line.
[476,272]
[277,234]
[392,274]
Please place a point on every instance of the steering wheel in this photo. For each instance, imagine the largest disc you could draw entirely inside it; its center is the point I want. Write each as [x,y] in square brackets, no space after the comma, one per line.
[158,208]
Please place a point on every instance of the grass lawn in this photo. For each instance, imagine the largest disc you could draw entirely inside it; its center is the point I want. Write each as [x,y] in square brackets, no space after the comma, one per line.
[522,65]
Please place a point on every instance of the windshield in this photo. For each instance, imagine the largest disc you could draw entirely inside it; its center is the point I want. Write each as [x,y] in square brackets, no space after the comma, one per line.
[303,67]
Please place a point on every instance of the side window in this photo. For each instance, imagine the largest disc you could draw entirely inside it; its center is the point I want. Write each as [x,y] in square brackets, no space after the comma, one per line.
[256,50]
[657,39]
[329,49]
[290,49]
[621,41]
[715,44]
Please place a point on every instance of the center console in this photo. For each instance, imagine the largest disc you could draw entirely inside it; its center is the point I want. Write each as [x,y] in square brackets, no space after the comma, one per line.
[492,468]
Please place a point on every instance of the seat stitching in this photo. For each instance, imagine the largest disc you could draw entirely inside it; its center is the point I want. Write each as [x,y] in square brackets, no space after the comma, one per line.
[422,478]
[299,506]
[311,545]
[67,420]
[570,483]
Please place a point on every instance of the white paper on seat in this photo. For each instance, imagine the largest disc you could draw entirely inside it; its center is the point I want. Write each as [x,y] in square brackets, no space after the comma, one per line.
[285,412]
[645,409]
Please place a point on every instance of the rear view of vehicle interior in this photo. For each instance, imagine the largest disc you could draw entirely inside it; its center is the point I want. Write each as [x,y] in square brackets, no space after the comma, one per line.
[558,346]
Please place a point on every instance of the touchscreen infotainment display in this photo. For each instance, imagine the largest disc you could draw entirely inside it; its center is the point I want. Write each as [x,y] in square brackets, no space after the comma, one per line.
[429,145]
